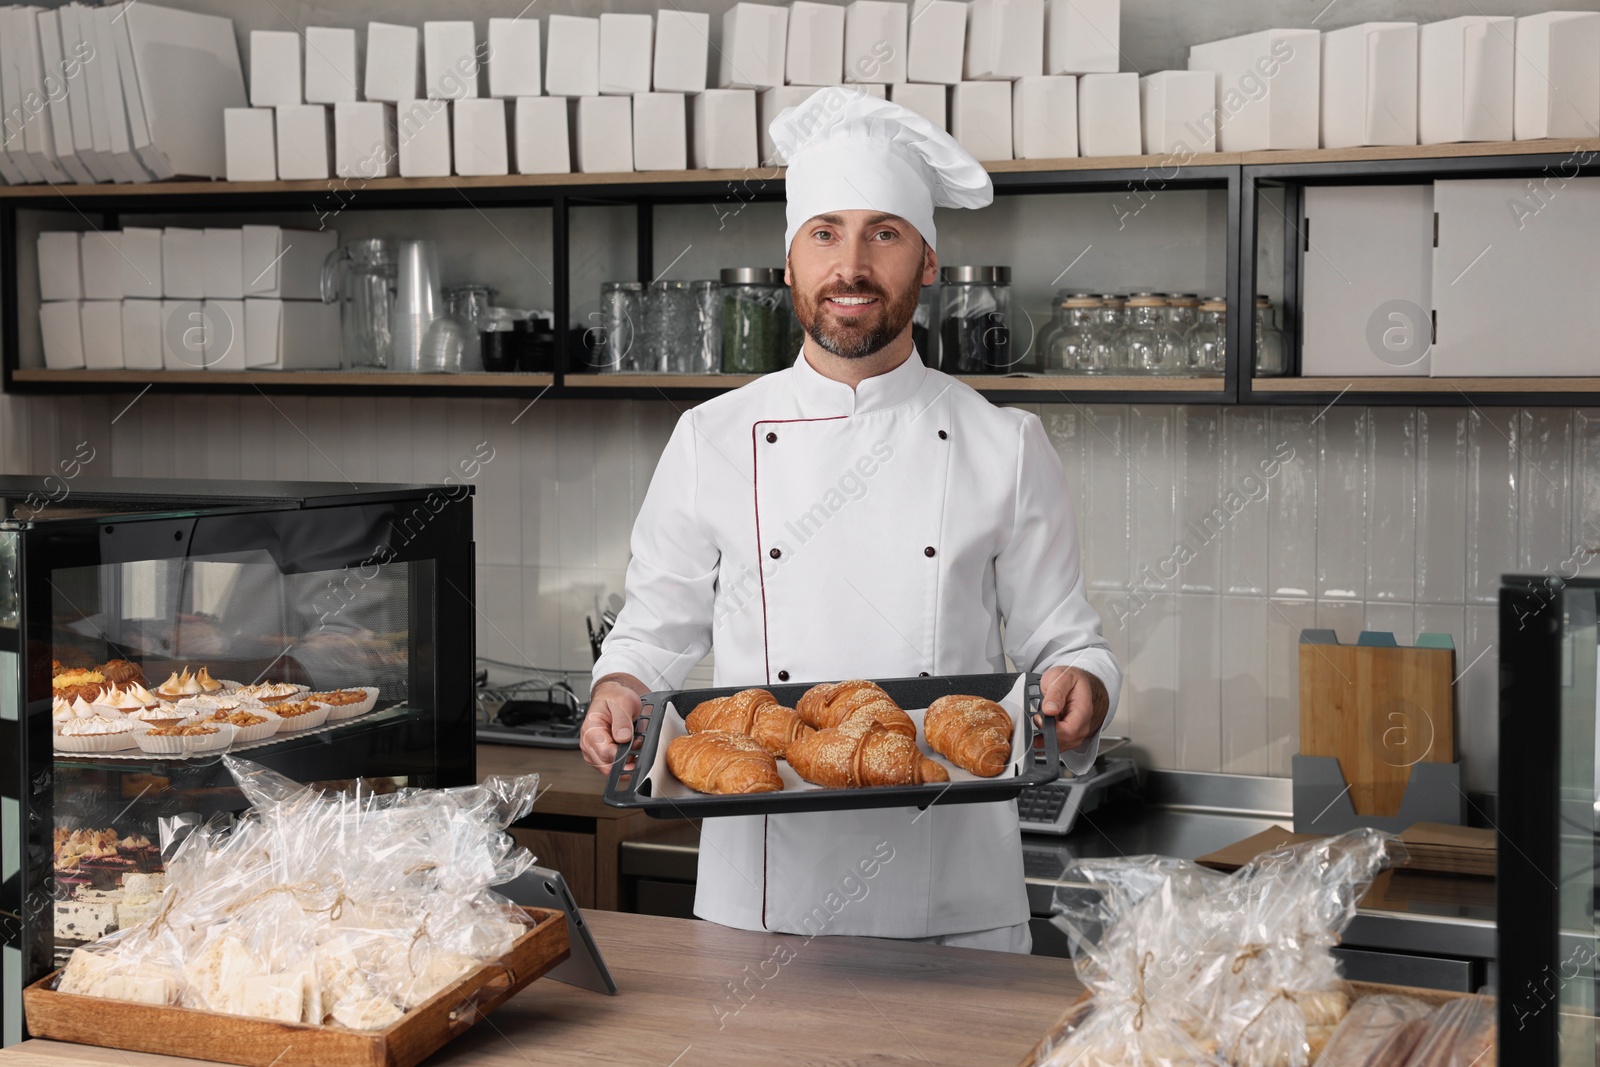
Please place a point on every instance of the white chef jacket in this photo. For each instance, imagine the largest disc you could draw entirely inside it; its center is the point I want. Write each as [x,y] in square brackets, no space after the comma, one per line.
[808,531]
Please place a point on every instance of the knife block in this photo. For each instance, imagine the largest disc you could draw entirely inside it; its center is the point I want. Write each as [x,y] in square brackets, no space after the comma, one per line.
[1377,733]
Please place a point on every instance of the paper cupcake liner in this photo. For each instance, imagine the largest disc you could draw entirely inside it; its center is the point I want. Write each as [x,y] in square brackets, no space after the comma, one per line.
[223,738]
[309,721]
[337,712]
[259,732]
[96,742]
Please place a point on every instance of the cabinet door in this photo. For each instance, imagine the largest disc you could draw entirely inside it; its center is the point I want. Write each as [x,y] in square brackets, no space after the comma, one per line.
[571,854]
[1514,286]
[1368,280]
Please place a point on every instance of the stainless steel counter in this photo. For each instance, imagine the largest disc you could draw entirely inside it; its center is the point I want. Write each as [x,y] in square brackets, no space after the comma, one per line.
[1411,927]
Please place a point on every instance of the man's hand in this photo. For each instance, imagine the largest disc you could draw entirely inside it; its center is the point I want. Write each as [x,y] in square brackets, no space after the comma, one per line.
[1077,700]
[608,726]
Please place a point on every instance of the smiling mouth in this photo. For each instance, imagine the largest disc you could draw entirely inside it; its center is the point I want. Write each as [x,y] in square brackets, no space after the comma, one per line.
[850,304]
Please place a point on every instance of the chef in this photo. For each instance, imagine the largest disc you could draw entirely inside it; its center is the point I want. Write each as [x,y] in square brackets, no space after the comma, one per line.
[860,515]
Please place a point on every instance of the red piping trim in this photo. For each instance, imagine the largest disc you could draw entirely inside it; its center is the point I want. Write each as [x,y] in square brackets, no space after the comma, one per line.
[755,502]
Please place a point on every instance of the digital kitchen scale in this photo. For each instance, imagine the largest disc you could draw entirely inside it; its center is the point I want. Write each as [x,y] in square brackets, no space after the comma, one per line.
[1054,808]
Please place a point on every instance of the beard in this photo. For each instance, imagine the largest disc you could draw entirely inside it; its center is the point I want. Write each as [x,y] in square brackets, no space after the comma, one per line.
[856,338]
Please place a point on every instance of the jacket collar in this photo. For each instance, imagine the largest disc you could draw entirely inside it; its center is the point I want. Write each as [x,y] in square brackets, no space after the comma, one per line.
[820,397]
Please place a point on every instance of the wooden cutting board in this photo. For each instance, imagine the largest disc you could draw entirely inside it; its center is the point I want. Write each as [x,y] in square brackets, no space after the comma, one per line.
[1378,710]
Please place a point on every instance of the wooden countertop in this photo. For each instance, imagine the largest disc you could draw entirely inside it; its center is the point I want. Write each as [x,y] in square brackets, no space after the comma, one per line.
[835,1001]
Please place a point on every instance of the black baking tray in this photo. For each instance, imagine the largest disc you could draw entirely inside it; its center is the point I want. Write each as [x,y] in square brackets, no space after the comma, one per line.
[627,787]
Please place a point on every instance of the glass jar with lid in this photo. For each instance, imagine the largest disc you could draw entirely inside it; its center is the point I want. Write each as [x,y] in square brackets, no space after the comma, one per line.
[672,311]
[1072,348]
[1109,319]
[1058,322]
[975,320]
[614,344]
[708,314]
[1147,340]
[1271,354]
[1207,339]
[757,315]
[1182,313]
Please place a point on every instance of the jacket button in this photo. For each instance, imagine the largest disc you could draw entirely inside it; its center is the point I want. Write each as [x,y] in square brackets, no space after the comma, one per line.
[922,674]
[775,553]
[783,676]
[942,435]
[926,552]
[771,437]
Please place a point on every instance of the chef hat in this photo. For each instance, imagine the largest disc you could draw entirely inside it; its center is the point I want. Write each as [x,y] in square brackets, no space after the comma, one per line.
[846,149]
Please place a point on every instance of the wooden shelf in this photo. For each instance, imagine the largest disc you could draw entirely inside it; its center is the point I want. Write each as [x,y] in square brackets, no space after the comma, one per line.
[1549,146]
[658,381]
[378,380]
[1425,385]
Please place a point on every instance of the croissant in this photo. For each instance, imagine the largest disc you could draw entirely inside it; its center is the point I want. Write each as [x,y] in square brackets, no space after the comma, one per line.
[716,761]
[861,751]
[828,703]
[971,732]
[753,712]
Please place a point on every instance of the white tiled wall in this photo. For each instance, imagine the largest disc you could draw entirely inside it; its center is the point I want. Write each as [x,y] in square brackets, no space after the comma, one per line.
[1398,519]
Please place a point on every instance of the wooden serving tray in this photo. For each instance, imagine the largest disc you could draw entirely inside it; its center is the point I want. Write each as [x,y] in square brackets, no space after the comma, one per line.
[205,1035]
[1431,997]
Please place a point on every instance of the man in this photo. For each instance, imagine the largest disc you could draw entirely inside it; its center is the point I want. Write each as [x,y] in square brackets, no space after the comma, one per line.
[859,515]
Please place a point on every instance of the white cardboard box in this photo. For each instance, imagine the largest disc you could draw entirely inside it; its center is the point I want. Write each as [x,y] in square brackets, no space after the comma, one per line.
[514,59]
[1005,39]
[723,128]
[183,262]
[769,102]
[875,42]
[1044,116]
[572,65]
[450,60]
[683,43]
[180,128]
[224,335]
[60,265]
[754,38]
[51,84]
[274,68]
[305,142]
[183,335]
[140,253]
[224,262]
[394,62]
[104,76]
[62,332]
[291,335]
[1465,78]
[1368,284]
[481,135]
[1108,115]
[102,265]
[980,118]
[1369,85]
[250,140]
[79,91]
[1527,307]
[660,131]
[141,335]
[285,263]
[936,41]
[930,102]
[423,129]
[101,325]
[815,48]
[1557,83]
[1179,111]
[543,137]
[331,76]
[869,88]
[364,140]
[23,56]
[1083,36]
[1267,89]
[626,46]
[605,134]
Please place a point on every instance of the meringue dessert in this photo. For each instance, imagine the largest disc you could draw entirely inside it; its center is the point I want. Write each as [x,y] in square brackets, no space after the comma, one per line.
[269,692]
[207,683]
[180,685]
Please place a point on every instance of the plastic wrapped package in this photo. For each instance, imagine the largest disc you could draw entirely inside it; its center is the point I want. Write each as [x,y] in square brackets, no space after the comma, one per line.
[1380,1030]
[315,908]
[1460,1033]
[1189,966]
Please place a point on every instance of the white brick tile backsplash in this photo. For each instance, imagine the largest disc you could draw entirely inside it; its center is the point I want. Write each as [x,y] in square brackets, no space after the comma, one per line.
[1491,518]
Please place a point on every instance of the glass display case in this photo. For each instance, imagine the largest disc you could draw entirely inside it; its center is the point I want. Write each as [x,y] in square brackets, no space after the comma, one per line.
[149,627]
[1549,812]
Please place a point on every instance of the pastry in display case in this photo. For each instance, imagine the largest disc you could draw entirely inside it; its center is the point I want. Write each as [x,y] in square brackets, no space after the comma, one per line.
[148,628]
